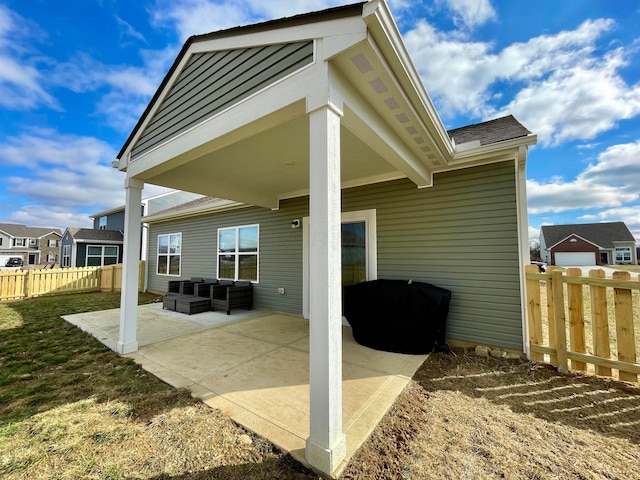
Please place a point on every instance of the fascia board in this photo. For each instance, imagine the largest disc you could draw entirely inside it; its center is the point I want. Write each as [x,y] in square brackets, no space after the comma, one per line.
[475,154]
[387,37]
[194,212]
[577,236]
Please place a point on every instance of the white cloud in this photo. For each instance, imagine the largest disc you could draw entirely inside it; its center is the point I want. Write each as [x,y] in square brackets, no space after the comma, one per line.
[611,183]
[66,178]
[195,17]
[569,90]
[470,13]
[20,81]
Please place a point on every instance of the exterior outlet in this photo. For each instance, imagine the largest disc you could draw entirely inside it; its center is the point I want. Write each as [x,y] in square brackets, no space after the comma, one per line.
[281,291]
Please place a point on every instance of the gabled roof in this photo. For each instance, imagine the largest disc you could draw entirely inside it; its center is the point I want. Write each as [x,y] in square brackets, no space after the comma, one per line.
[84,235]
[492,131]
[603,235]
[296,20]
[22,231]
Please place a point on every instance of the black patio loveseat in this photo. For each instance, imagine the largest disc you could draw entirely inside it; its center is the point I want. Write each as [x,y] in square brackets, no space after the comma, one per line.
[397,315]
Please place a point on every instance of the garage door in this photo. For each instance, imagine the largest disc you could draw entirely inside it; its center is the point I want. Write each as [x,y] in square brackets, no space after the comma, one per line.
[575,258]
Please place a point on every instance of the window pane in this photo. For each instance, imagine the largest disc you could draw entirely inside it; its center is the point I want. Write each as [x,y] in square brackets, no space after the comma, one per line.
[227,266]
[162,264]
[111,251]
[94,251]
[110,260]
[163,243]
[175,244]
[174,265]
[248,239]
[93,262]
[248,267]
[354,253]
[227,240]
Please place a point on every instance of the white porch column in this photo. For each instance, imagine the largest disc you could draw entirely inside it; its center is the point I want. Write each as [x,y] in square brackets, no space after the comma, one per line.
[326,445]
[127,341]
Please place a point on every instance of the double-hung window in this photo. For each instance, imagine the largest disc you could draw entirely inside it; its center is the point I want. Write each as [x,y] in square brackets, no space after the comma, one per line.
[169,254]
[238,253]
[53,243]
[100,255]
[66,255]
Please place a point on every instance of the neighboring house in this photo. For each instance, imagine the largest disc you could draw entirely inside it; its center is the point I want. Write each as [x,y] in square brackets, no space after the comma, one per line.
[113,219]
[36,246]
[86,247]
[321,120]
[588,244]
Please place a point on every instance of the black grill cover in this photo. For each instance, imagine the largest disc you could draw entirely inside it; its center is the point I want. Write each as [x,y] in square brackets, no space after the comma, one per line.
[397,315]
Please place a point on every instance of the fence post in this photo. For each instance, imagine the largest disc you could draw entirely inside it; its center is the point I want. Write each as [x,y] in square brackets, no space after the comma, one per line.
[576,319]
[535,313]
[625,335]
[600,322]
[551,317]
[561,329]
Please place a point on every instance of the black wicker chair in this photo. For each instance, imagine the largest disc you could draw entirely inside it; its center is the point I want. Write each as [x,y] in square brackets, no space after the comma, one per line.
[227,295]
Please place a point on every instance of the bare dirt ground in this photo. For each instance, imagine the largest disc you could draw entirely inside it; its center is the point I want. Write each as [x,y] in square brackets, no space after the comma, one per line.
[470,417]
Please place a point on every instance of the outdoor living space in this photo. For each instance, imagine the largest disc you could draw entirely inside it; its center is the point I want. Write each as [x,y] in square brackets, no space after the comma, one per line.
[254,366]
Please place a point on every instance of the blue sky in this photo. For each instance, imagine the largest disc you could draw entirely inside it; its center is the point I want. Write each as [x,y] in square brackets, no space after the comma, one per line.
[76,74]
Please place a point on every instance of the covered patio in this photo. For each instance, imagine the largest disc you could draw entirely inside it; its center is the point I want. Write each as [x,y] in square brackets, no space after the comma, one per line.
[305,106]
[254,366]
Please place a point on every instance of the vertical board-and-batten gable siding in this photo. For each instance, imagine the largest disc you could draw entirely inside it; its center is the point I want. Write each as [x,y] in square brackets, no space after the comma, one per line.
[460,234]
[213,81]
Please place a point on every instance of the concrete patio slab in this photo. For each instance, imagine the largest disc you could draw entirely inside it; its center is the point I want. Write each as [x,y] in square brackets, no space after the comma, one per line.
[254,366]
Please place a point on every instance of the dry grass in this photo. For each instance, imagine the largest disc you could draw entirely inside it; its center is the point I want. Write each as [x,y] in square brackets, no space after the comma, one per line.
[70,408]
[470,417]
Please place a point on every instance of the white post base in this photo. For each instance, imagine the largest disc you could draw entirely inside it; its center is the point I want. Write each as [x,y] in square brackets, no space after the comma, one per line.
[326,460]
[125,348]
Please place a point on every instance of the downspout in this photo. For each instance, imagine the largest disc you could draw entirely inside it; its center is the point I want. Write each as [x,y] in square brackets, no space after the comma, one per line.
[523,239]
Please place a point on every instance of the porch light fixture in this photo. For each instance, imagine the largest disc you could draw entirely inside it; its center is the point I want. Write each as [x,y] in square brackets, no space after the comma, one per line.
[295,223]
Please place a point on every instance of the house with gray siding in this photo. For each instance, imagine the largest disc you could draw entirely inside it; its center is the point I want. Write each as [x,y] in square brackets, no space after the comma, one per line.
[317,130]
[86,247]
[113,219]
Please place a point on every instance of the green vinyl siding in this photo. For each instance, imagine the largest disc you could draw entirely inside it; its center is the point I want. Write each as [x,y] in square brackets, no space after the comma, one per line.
[213,81]
[460,234]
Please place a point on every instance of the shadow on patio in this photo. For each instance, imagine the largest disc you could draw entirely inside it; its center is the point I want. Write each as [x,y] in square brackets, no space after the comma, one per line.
[254,366]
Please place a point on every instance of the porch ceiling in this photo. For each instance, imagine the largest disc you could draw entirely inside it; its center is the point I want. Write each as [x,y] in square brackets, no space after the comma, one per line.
[270,165]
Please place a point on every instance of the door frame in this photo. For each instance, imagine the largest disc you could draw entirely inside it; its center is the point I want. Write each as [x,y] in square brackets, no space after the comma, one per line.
[371,245]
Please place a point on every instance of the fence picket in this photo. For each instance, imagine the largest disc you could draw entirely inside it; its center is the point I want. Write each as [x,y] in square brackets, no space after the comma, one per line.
[535,320]
[600,322]
[576,319]
[561,329]
[625,334]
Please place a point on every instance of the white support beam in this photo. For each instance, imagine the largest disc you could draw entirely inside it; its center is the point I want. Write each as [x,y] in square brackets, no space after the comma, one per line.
[326,445]
[127,338]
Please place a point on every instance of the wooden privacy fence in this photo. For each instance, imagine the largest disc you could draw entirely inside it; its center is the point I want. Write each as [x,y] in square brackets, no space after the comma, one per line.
[586,323]
[19,284]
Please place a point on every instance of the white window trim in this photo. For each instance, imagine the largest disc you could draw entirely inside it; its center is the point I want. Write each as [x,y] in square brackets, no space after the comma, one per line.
[66,254]
[52,243]
[20,242]
[51,258]
[237,253]
[168,255]
[371,245]
[102,255]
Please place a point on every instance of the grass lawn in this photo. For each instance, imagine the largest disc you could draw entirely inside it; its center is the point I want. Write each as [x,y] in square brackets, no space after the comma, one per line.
[70,408]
